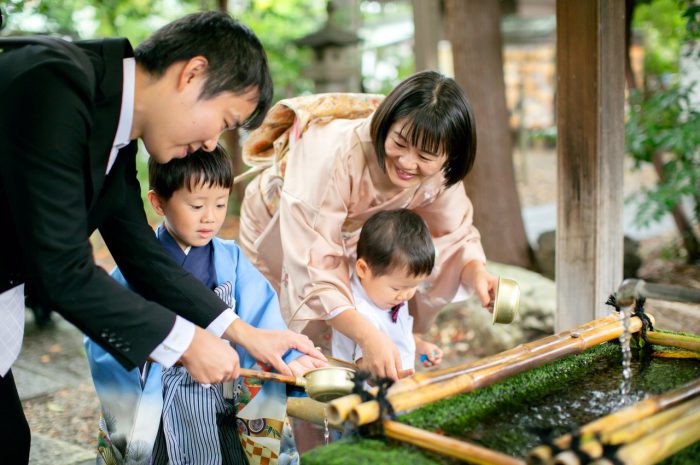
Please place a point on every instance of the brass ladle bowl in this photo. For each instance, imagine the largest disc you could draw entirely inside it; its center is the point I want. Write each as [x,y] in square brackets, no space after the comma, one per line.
[322,384]
[507,302]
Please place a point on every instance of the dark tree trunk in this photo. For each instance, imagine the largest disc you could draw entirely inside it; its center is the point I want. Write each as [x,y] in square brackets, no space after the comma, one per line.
[473,28]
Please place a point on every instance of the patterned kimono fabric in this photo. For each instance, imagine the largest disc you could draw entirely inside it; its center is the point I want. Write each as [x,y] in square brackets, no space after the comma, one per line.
[244,422]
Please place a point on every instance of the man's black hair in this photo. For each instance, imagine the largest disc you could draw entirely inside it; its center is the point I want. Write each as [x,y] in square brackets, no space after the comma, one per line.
[236,59]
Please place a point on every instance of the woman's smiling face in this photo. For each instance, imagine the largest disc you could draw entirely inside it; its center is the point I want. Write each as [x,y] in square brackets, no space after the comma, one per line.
[405,164]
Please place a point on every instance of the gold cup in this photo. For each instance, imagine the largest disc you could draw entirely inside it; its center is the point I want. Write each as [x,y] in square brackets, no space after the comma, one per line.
[507,301]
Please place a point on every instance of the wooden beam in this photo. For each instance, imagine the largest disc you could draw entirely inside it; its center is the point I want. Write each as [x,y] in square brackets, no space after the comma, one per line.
[428,27]
[590,152]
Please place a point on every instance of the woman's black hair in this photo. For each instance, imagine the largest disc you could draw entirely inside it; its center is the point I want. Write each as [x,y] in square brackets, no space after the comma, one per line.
[236,59]
[396,239]
[196,169]
[438,119]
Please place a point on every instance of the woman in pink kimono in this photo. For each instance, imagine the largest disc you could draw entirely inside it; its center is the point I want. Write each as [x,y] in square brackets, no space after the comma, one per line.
[335,163]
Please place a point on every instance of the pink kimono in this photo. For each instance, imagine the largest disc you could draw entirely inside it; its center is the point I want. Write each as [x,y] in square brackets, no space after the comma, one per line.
[323,177]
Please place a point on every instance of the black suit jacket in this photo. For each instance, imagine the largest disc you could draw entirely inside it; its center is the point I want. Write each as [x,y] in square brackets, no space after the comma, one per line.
[56,134]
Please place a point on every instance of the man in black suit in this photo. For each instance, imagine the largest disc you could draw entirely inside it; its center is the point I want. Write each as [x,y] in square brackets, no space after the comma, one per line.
[70,115]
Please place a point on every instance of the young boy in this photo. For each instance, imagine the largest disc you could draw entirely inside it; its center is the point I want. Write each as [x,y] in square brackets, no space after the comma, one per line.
[198,422]
[395,253]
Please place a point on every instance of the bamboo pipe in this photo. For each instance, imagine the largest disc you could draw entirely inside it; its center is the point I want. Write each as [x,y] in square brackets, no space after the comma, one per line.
[425,378]
[660,444]
[369,411]
[628,433]
[632,289]
[307,409]
[447,446]
[541,455]
[674,340]
[339,409]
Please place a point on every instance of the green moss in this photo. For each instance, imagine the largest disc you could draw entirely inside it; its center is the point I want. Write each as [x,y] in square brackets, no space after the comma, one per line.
[358,451]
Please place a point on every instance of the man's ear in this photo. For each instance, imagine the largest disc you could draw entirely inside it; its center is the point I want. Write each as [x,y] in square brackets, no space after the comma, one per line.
[193,69]
[362,268]
[156,202]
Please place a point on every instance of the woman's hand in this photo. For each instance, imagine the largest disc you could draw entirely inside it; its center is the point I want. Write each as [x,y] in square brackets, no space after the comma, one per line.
[475,277]
[268,345]
[428,353]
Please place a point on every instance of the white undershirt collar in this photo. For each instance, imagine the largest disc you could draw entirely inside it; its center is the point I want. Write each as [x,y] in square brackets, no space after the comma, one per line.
[126,115]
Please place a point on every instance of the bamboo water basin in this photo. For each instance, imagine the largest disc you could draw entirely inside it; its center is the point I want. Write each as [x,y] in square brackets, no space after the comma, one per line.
[516,414]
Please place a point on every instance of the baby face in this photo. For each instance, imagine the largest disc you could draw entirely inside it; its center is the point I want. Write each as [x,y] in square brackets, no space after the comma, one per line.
[389,289]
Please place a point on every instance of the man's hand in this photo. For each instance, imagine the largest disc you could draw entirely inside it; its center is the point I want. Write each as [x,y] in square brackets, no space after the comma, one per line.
[305,363]
[210,360]
[268,346]
[474,276]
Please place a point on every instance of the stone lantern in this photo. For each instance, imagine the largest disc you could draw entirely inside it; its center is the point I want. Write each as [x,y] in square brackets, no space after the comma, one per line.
[336,64]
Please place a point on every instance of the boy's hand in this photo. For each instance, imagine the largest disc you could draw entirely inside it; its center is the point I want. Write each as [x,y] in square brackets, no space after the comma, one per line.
[209,360]
[429,354]
[474,276]
[305,363]
[268,346]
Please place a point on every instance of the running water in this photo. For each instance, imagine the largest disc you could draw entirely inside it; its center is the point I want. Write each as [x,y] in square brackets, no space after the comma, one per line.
[326,432]
[626,383]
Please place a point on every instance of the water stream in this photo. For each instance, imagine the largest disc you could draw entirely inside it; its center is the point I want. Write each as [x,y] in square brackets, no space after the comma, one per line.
[326,431]
[625,337]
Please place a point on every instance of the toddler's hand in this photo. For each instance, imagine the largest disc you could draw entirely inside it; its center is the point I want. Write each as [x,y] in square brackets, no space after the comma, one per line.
[428,353]
[305,363]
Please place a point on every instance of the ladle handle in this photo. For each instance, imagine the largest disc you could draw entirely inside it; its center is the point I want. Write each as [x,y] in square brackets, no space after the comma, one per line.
[266,376]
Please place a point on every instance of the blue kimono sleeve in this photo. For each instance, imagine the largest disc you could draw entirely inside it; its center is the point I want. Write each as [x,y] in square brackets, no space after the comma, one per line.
[256,301]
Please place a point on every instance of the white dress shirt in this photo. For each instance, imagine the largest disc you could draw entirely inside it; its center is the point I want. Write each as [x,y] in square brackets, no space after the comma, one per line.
[400,332]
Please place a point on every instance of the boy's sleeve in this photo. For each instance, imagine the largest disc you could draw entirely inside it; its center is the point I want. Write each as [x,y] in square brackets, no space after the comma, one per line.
[256,301]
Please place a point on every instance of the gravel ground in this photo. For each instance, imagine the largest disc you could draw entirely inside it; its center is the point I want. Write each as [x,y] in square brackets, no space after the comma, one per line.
[71,414]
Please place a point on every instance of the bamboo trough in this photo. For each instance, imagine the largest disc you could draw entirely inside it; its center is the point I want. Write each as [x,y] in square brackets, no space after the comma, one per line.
[339,409]
[620,427]
[461,382]
[313,411]
[660,444]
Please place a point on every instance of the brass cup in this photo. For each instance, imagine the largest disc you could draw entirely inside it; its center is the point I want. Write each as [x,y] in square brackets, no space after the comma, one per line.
[328,383]
[507,301]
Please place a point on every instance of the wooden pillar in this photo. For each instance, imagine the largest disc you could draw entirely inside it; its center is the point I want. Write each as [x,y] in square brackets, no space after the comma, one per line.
[590,152]
[428,27]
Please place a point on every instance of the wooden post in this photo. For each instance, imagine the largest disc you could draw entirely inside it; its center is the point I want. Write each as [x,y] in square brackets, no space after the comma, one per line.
[427,26]
[590,149]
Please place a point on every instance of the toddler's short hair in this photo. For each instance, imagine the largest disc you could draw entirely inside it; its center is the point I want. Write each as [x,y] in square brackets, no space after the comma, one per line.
[397,239]
[197,168]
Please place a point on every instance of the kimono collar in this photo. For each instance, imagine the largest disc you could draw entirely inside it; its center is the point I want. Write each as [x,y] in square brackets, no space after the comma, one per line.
[199,261]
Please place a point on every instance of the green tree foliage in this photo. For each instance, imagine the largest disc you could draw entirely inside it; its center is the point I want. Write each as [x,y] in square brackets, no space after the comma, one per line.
[663,128]
[663,123]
